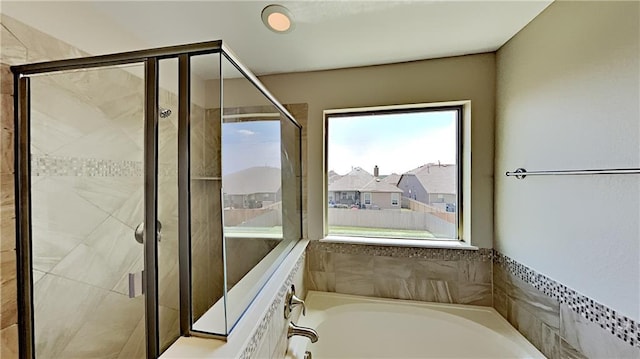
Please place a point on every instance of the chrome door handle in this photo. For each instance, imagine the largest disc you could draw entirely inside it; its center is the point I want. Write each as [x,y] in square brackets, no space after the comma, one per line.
[139,232]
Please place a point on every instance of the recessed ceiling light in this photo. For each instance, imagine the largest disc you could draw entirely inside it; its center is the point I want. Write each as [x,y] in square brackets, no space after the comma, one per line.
[277,18]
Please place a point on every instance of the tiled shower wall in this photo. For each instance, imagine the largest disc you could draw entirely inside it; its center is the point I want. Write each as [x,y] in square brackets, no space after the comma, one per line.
[87,200]
[11,52]
[8,298]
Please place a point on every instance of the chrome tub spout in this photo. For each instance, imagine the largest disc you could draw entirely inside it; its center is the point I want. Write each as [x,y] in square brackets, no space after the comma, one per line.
[302,331]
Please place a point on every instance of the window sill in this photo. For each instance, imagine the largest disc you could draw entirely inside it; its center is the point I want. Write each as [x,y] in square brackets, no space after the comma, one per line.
[396,242]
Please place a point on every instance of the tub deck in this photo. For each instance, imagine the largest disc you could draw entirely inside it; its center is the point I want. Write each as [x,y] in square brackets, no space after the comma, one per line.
[361,327]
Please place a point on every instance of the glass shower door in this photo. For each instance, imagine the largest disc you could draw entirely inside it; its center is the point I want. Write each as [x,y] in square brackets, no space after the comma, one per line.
[87,189]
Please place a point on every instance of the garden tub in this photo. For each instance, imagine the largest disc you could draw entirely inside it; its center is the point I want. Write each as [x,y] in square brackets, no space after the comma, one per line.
[361,327]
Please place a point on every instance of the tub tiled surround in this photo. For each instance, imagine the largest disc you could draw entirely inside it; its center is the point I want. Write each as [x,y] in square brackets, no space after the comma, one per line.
[560,322]
[426,274]
[270,340]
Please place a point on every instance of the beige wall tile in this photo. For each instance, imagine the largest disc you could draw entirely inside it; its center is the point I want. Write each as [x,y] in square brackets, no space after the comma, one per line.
[7,109]
[9,342]
[107,330]
[7,213]
[12,52]
[428,290]
[393,267]
[8,289]
[169,322]
[135,346]
[569,352]
[103,258]
[41,47]
[321,281]
[393,287]
[473,294]
[6,80]
[590,339]
[478,272]
[352,283]
[528,297]
[500,302]
[7,265]
[7,154]
[550,343]
[263,351]
[61,307]
[440,270]
[319,261]
[526,323]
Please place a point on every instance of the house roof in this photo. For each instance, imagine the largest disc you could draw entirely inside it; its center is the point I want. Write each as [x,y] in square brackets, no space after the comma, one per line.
[352,181]
[332,176]
[391,179]
[437,178]
[252,180]
[377,185]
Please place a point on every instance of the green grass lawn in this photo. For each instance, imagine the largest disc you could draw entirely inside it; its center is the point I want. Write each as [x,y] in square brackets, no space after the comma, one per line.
[253,232]
[379,232]
[276,232]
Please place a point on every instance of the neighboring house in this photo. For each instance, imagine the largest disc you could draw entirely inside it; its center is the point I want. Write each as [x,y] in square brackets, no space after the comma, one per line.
[433,184]
[253,187]
[361,188]
[332,176]
[378,194]
[391,179]
[345,190]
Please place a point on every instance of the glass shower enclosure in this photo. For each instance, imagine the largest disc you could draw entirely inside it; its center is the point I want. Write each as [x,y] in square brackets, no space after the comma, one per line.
[157,191]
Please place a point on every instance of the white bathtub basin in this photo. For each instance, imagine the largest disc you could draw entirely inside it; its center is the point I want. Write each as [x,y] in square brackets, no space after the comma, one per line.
[361,327]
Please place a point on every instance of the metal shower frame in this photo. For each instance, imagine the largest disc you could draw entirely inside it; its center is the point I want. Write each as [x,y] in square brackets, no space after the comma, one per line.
[150,58]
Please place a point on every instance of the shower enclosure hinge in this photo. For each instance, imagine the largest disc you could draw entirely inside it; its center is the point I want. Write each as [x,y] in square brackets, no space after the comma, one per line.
[136,284]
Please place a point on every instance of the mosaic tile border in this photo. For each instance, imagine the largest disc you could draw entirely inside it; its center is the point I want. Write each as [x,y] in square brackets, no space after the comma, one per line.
[257,336]
[608,319]
[482,254]
[45,165]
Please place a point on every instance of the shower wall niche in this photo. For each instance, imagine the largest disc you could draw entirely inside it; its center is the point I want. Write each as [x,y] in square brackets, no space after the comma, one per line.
[110,144]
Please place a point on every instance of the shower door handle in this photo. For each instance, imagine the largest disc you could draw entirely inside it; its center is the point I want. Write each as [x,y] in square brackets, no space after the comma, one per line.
[139,232]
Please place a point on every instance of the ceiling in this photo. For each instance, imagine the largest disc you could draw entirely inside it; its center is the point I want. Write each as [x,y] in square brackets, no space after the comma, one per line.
[328,34]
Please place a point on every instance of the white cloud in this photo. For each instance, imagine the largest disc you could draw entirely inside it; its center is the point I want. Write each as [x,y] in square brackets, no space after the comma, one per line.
[246,132]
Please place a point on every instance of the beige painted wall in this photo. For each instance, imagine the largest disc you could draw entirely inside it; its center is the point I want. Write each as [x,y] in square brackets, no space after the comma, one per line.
[458,78]
[568,98]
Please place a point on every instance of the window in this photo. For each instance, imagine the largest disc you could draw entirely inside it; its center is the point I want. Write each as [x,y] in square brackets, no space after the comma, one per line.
[395,198]
[252,177]
[405,163]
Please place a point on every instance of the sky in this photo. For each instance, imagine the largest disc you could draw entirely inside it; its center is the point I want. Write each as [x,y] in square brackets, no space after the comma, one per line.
[250,144]
[396,143]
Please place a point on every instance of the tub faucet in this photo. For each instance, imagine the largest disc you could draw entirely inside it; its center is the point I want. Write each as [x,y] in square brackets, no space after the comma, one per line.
[302,331]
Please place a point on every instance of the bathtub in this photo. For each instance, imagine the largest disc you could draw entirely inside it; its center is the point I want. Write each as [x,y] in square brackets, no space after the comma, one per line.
[360,327]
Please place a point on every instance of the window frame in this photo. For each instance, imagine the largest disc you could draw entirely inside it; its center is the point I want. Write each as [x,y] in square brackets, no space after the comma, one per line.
[395,197]
[463,159]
